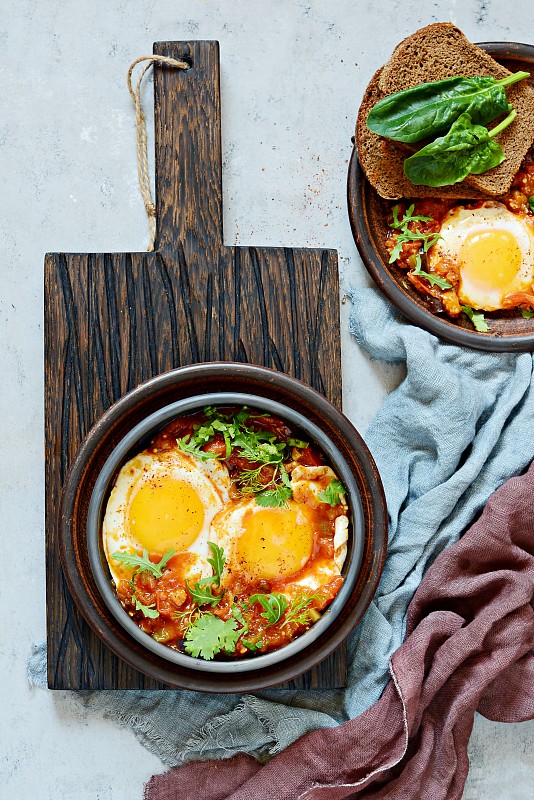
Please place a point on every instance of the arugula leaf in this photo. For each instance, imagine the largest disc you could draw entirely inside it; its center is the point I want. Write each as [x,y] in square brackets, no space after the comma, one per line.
[209,634]
[217,562]
[430,108]
[527,313]
[274,606]
[466,149]
[148,611]
[143,563]
[407,217]
[478,320]
[407,235]
[188,445]
[531,203]
[332,493]
[202,594]
[299,612]
[432,278]
[274,498]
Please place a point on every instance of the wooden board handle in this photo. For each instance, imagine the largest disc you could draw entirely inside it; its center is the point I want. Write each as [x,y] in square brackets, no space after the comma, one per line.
[187,111]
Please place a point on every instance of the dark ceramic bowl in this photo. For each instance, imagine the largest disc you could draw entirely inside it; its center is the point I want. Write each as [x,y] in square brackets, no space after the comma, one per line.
[126,428]
[368,215]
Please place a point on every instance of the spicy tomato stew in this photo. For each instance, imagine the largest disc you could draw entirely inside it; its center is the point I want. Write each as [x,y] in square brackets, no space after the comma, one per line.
[227,536]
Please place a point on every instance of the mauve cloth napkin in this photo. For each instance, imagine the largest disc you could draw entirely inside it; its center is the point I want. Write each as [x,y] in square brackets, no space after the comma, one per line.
[457,427]
[470,645]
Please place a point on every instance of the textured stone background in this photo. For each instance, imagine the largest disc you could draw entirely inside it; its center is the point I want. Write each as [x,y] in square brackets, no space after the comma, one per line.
[292,77]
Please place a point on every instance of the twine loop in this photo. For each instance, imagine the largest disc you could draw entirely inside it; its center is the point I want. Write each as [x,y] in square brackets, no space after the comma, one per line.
[140,128]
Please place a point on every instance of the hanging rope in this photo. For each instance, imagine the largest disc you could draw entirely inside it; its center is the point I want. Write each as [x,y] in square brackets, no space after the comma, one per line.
[140,126]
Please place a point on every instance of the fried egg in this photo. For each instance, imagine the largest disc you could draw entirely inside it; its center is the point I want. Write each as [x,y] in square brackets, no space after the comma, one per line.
[494,251]
[161,501]
[277,544]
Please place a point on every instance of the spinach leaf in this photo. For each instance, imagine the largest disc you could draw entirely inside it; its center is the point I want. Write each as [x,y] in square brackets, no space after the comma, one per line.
[465,149]
[531,203]
[430,108]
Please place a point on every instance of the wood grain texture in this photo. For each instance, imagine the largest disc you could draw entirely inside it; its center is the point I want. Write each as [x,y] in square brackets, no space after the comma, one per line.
[115,320]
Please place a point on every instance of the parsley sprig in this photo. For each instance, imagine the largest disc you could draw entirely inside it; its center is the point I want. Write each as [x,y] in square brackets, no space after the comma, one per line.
[209,634]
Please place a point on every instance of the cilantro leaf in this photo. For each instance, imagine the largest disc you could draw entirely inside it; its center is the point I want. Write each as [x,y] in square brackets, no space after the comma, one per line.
[202,594]
[332,493]
[274,606]
[531,203]
[209,634]
[148,611]
[284,477]
[527,313]
[143,563]
[478,320]
[298,443]
[274,498]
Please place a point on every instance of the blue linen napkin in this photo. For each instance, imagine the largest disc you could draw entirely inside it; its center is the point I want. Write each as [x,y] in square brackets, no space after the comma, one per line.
[458,426]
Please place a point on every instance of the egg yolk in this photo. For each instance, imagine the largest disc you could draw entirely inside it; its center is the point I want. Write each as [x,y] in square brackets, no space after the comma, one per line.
[275,543]
[166,513]
[490,259]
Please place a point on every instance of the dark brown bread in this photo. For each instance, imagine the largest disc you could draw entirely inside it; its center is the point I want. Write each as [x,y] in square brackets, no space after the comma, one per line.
[441,51]
[383,161]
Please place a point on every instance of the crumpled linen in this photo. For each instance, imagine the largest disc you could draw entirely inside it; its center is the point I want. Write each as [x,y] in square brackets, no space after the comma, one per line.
[459,424]
[470,645]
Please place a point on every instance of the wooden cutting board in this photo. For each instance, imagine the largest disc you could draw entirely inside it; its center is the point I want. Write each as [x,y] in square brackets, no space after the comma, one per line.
[113,320]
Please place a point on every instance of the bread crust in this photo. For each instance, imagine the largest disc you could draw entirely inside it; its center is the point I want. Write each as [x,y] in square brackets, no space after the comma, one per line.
[443,51]
[383,161]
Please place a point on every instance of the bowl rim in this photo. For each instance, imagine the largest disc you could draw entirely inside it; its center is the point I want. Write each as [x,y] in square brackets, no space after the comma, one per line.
[123,451]
[71,540]
[358,185]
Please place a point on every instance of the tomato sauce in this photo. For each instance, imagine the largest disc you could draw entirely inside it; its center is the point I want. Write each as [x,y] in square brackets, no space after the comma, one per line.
[446,300]
[168,606]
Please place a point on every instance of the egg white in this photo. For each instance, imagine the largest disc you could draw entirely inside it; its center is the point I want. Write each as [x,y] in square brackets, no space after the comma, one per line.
[461,223]
[209,479]
[230,524]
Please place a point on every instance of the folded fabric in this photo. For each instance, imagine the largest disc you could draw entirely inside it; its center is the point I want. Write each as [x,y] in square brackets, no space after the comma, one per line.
[459,424]
[470,645]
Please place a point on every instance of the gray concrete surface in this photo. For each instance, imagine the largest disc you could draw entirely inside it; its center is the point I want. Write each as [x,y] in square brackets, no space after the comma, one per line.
[292,77]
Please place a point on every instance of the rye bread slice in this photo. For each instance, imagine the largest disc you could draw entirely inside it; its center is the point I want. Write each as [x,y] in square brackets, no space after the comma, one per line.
[383,160]
[441,51]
